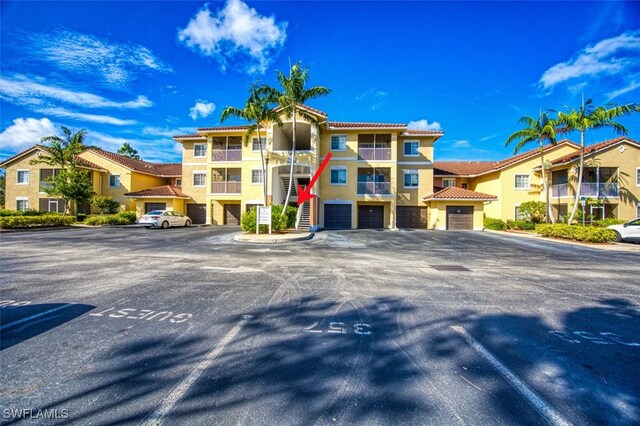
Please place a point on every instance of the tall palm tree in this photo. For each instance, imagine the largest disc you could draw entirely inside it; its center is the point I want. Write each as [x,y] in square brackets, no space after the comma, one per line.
[587,117]
[258,111]
[540,130]
[294,94]
[63,152]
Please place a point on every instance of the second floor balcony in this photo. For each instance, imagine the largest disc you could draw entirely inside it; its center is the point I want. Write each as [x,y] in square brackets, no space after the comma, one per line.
[374,181]
[374,188]
[587,189]
[231,154]
[374,154]
[226,187]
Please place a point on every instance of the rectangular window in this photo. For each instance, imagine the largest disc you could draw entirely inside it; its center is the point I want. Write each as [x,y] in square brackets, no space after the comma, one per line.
[447,182]
[522,181]
[199,179]
[518,214]
[411,179]
[338,176]
[23,177]
[179,182]
[638,176]
[199,150]
[638,210]
[256,147]
[464,185]
[114,181]
[411,148]
[339,143]
[22,204]
[256,176]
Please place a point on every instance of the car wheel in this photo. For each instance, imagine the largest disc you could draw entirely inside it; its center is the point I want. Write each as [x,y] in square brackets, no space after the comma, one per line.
[618,237]
[165,224]
[187,223]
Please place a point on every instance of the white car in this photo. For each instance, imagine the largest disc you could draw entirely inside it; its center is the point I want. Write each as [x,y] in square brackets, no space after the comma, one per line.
[164,219]
[629,231]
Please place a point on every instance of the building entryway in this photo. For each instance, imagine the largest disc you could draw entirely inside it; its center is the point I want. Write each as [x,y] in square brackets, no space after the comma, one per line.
[337,216]
[197,213]
[232,214]
[370,217]
[460,217]
[411,217]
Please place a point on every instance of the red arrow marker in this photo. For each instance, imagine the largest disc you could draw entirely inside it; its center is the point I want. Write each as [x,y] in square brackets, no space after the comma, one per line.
[304,194]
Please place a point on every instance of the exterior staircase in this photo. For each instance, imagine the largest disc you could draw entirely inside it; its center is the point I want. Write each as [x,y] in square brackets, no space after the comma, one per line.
[285,183]
[303,220]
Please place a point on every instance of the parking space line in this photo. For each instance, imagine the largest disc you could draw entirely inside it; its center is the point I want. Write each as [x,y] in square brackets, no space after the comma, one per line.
[158,416]
[541,406]
[32,317]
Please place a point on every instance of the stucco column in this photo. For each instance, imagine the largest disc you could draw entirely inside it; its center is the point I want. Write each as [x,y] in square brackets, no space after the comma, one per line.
[209,212]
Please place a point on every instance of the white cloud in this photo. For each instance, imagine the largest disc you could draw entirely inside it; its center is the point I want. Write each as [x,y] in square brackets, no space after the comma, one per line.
[167,132]
[201,109]
[374,97]
[24,91]
[25,132]
[153,150]
[612,56]
[461,144]
[87,55]
[94,118]
[633,85]
[486,138]
[424,125]
[235,35]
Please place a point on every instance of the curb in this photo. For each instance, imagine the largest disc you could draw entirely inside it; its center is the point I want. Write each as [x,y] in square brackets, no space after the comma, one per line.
[627,247]
[276,239]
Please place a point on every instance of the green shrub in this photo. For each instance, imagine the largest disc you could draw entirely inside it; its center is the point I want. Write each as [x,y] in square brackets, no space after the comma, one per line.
[11,222]
[534,211]
[105,204]
[32,212]
[588,234]
[278,222]
[122,218]
[603,223]
[495,224]
[521,225]
[7,212]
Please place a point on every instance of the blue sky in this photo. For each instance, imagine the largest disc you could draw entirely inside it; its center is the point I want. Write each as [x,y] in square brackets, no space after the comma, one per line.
[140,72]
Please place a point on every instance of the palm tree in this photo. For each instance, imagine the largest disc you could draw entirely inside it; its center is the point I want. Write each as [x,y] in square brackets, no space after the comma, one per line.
[538,130]
[292,96]
[589,117]
[257,110]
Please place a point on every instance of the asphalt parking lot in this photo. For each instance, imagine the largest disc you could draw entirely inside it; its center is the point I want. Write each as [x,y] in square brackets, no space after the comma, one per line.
[186,326]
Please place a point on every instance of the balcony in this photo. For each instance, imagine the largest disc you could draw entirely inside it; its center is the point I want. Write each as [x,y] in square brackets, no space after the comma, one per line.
[588,189]
[226,155]
[226,187]
[374,188]
[374,154]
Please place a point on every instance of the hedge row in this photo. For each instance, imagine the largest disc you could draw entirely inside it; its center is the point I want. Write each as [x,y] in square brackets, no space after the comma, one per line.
[27,212]
[11,222]
[495,224]
[279,223]
[588,234]
[122,218]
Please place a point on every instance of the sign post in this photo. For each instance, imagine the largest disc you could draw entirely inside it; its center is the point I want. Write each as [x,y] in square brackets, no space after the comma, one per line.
[263,218]
[583,200]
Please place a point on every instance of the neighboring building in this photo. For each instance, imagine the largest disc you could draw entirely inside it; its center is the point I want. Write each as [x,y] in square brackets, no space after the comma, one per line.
[378,176]
[111,175]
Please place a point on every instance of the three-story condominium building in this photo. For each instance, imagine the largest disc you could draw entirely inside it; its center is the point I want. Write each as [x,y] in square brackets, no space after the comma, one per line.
[378,175]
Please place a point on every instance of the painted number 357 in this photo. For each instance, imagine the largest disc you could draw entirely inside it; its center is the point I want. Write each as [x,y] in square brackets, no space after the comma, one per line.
[340,328]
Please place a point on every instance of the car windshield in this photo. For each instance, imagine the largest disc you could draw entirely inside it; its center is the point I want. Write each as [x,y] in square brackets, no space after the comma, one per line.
[155,213]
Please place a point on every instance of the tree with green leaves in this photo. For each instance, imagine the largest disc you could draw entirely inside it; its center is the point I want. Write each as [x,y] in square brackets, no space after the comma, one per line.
[587,117]
[258,111]
[127,150]
[540,130]
[3,183]
[290,98]
[63,154]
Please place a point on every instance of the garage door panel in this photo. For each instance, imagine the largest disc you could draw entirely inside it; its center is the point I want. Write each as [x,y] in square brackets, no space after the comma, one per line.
[154,206]
[460,217]
[370,217]
[337,216]
[411,217]
[197,213]
[232,214]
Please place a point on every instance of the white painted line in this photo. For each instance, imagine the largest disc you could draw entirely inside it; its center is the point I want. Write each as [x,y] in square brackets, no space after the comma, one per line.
[158,416]
[536,401]
[268,250]
[23,320]
[227,269]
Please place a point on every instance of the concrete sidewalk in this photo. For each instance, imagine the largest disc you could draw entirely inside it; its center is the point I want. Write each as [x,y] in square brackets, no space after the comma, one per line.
[273,238]
[628,247]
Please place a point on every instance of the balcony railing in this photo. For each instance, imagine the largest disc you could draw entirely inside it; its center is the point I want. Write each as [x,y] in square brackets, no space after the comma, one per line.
[369,154]
[374,188]
[226,187]
[588,189]
[226,155]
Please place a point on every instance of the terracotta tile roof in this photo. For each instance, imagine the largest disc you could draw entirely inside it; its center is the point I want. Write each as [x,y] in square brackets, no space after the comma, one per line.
[307,107]
[592,149]
[166,191]
[194,136]
[156,169]
[419,132]
[461,168]
[532,153]
[455,193]
[363,125]
[81,161]
[221,129]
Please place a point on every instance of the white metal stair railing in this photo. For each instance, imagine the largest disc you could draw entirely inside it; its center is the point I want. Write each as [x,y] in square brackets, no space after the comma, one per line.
[303,216]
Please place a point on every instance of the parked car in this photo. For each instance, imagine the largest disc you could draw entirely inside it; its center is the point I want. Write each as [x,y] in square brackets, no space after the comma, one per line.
[629,231]
[164,219]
